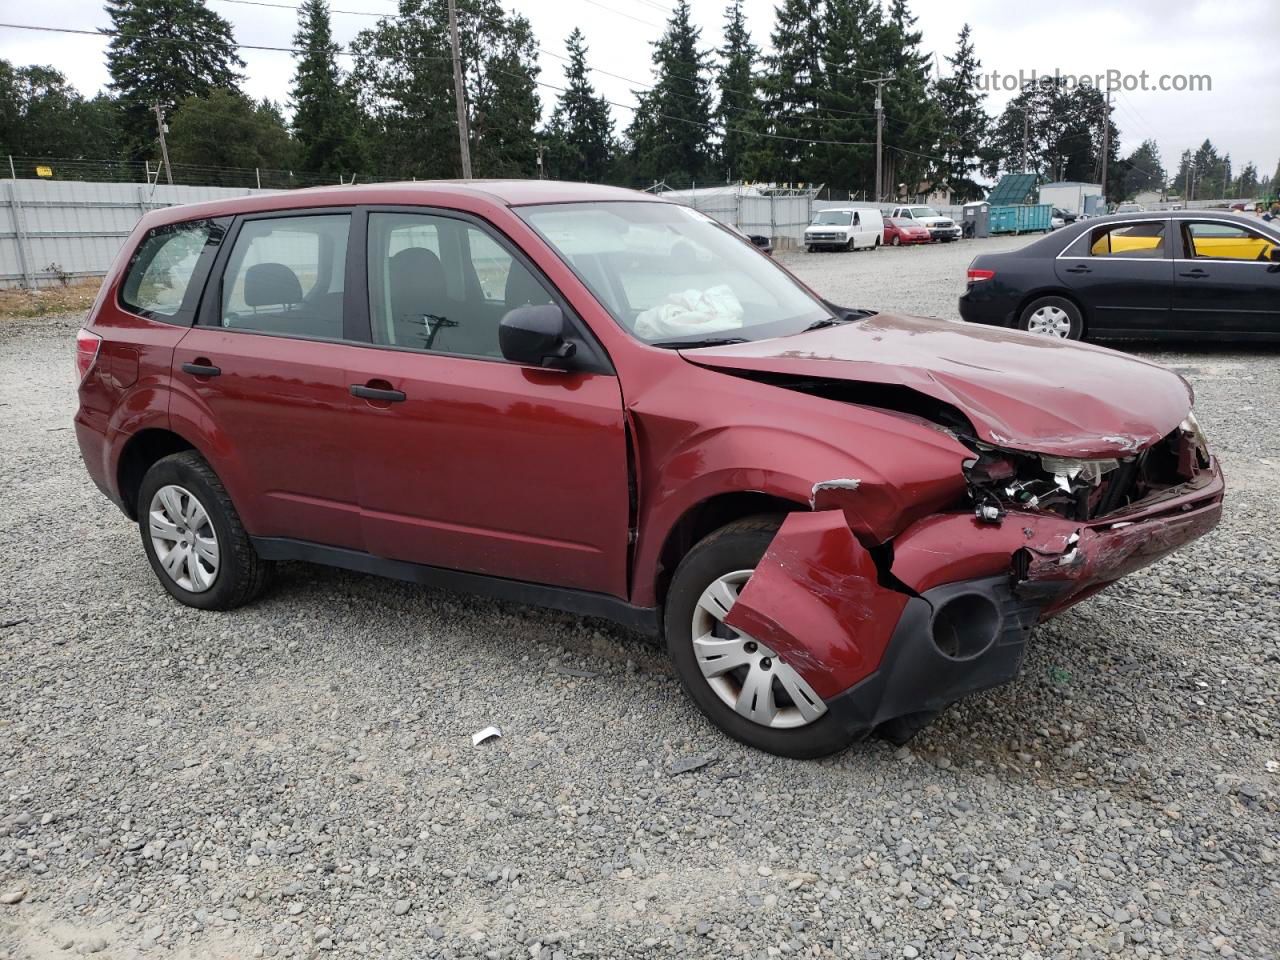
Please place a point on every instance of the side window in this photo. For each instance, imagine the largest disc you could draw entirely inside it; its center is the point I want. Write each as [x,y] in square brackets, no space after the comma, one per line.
[440,284]
[1225,241]
[1128,240]
[857,220]
[287,275]
[158,281]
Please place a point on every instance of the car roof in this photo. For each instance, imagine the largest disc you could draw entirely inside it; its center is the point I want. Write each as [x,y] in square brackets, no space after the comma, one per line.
[509,193]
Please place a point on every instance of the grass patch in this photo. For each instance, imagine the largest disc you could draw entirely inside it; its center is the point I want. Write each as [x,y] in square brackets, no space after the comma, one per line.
[17,303]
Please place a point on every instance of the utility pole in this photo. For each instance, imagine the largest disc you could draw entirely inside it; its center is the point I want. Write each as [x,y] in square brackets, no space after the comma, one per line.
[879,83]
[1026,130]
[162,128]
[1106,141]
[541,170]
[460,95]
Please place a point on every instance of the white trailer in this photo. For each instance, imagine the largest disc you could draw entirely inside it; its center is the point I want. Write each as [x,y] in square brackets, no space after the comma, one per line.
[1073,196]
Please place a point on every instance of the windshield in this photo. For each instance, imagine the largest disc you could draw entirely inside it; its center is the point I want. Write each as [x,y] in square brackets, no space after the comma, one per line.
[672,276]
[840,218]
[923,211]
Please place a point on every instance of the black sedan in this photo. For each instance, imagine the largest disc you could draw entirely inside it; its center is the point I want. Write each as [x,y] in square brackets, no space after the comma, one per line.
[1182,274]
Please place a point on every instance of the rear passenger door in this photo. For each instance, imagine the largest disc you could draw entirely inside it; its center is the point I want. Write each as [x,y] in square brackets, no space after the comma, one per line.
[467,460]
[1123,274]
[261,376]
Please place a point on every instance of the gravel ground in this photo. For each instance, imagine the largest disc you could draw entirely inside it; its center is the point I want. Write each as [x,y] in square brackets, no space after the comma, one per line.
[297,779]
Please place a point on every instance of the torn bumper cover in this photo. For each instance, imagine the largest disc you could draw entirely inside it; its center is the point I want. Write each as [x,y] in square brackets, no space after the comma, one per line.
[951,611]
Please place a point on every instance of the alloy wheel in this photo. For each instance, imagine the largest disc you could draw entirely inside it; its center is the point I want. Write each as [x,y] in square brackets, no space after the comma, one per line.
[745,674]
[183,537]
[1050,321]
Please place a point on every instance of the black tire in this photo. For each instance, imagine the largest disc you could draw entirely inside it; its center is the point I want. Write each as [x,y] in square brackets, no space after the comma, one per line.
[896,241]
[738,546]
[1076,318]
[241,575]
[810,247]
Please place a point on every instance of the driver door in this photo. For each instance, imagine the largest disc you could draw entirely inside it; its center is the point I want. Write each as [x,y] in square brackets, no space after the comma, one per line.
[466,460]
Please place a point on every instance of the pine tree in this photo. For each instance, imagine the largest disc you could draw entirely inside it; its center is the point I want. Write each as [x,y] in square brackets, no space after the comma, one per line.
[326,123]
[227,129]
[404,75]
[580,133]
[791,93]
[42,115]
[913,119]
[966,121]
[850,57]
[1143,170]
[669,133]
[737,111]
[165,51]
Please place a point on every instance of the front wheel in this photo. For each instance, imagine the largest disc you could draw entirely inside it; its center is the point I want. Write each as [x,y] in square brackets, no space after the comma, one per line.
[851,244]
[742,686]
[896,241]
[193,536]
[1055,317]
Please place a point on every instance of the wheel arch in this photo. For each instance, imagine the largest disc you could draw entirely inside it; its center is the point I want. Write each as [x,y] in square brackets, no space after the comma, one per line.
[707,516]
[137,456]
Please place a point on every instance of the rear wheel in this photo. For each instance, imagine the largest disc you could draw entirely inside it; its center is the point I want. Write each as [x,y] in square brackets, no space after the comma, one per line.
[193,537]
[896,241]
[743,686]
[1055,317]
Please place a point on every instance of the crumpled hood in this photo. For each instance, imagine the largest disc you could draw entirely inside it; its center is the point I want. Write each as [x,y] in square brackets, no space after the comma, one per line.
[1020,391]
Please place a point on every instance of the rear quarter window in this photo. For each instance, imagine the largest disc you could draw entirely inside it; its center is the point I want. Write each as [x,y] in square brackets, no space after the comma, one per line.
[168,267]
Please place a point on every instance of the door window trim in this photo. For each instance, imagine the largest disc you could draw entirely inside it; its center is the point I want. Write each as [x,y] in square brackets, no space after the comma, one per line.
[591,357]
[1125,223]
[1185,248]
[209,312]
[188,313]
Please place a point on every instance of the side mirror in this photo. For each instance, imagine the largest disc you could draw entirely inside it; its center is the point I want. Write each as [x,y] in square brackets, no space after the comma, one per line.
[535,336]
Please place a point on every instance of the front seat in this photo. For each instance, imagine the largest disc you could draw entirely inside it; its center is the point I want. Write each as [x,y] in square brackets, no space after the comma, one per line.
[416,288]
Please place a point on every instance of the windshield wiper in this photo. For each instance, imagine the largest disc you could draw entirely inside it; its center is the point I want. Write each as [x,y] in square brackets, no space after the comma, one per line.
[825,322]
[694,344]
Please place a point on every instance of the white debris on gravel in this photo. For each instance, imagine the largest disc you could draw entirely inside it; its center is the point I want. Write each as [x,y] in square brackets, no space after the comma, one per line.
[294,779]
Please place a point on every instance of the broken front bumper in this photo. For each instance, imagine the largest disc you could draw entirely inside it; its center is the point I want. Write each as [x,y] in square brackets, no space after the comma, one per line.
[946,608]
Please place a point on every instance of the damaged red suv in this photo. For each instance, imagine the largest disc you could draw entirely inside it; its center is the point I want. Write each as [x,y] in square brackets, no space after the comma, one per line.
[593,400]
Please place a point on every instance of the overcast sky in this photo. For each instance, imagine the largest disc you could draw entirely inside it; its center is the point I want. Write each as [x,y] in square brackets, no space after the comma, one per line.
[1236,43]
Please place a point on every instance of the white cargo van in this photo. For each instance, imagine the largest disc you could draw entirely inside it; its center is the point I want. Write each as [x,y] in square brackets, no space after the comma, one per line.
[845,228]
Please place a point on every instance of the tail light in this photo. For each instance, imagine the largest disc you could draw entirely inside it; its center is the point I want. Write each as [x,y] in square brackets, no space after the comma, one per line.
[978,275]
[87,346]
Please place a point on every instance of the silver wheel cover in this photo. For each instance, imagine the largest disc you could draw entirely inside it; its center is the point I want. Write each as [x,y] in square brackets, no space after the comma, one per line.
[183,538]
[1050,321]
[746,675]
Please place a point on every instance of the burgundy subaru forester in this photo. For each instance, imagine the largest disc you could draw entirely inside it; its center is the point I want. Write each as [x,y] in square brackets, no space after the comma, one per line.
[594,400]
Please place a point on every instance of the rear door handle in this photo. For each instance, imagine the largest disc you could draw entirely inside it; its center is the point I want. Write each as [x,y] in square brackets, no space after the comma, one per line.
[1080,269]
[1197,272]
[202,369]
[377,393]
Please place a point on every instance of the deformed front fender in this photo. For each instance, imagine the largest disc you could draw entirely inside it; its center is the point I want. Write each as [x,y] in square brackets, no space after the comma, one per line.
[815,600]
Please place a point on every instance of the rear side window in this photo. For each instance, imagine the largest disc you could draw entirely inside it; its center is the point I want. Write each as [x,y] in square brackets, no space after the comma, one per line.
[1127,241]
[287,276]
[164,274]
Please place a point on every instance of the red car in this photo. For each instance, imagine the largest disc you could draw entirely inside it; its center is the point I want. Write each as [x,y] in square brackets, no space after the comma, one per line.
[594,400]
[898,231]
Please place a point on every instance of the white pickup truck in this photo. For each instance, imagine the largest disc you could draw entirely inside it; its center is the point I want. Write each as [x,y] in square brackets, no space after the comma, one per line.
[940,227]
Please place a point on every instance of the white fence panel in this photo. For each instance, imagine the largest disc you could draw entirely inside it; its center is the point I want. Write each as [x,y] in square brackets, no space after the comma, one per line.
[50,229]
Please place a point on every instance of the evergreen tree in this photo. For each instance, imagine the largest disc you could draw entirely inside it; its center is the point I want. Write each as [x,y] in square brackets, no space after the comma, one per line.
[1246,185]
[672,124]
[848,30]
[404,75]
[736,111]
[1142,170]
[965,126]
[165,51]
[1064,135]
[913,120]
[791,93]
[326,123]
[580,134]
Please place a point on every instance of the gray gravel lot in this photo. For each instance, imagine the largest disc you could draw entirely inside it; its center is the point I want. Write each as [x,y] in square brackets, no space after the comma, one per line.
[297,778]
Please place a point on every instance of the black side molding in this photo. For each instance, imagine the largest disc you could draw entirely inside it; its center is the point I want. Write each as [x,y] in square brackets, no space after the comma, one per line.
[646,620]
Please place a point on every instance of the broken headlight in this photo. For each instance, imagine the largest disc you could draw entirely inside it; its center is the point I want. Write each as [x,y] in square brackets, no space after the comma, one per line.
[1002,480]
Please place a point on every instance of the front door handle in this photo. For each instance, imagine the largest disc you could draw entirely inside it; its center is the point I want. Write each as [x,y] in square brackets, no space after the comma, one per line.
[1080,269]
[1197,272]
[377,393]
[201,368]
